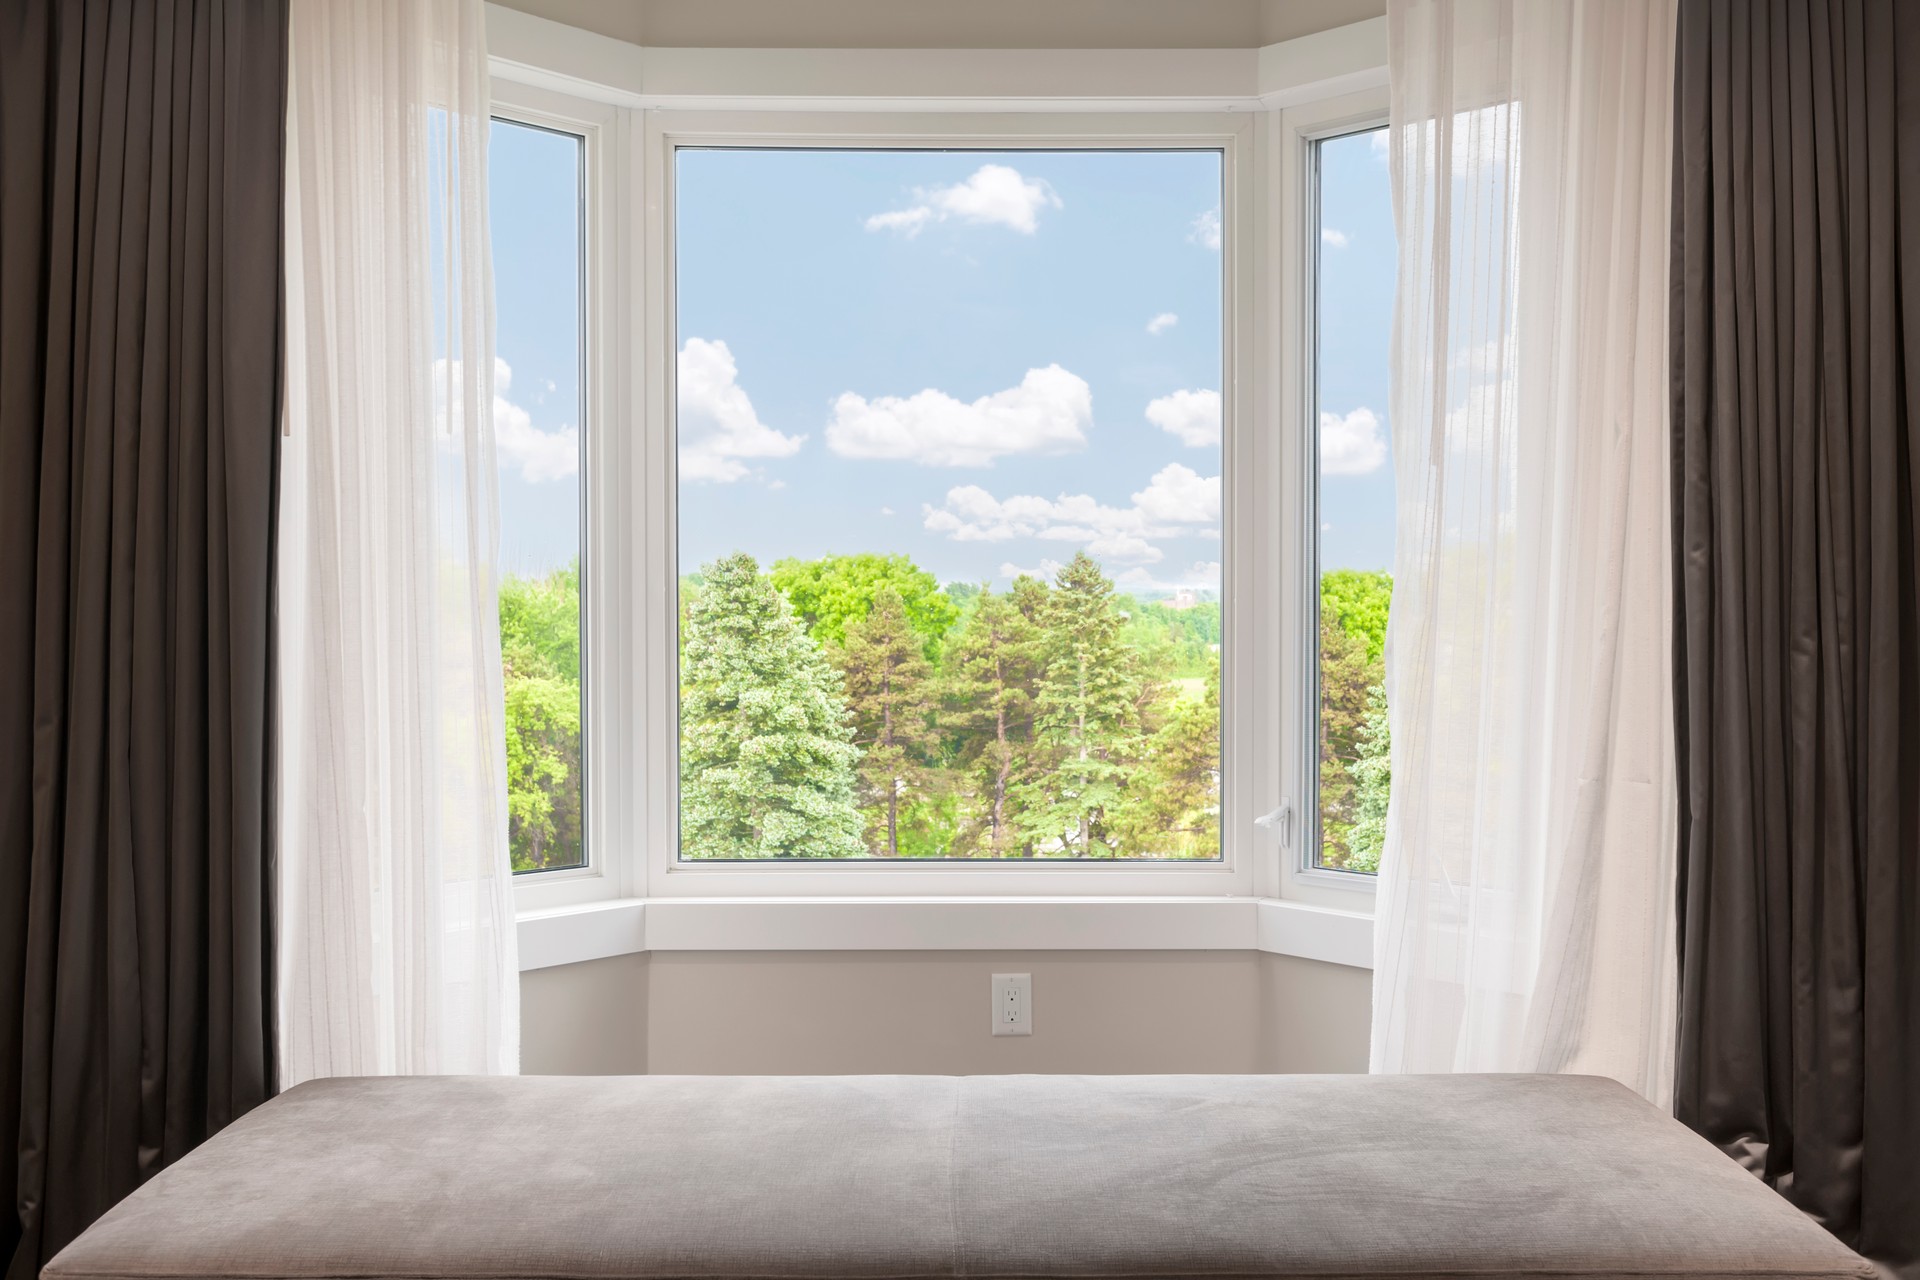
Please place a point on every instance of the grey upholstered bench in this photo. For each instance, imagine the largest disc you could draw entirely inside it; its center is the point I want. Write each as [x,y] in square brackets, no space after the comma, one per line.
[903,1176]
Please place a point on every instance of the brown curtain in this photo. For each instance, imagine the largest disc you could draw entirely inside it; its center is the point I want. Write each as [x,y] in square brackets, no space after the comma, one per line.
[140,301]
[1795,333]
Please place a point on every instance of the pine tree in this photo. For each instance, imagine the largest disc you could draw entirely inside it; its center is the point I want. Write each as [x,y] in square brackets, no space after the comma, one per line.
[1086,726]
[993,667]
[767,762]
[1345,676]
[1373,778]
[1176,806]
[889,692]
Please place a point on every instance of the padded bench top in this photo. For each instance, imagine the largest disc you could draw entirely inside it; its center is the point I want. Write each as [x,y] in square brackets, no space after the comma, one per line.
[601,1178]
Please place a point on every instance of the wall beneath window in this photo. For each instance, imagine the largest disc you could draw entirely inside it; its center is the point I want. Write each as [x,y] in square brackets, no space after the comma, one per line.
[587,1019]
[917,1011]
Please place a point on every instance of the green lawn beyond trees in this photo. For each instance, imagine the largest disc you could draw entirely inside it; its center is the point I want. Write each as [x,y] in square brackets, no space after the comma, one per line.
[852,706]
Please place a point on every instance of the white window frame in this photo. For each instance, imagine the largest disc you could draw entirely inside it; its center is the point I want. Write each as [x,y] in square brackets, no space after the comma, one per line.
[1251,773]
[608,403]
[565,80]
[1298,200]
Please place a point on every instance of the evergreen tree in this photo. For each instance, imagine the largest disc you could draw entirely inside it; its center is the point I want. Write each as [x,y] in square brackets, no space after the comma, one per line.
[993,667]
[888,690]
[1373,778]
[1345,677]
[1086,727]
[1176,811]
[767,760]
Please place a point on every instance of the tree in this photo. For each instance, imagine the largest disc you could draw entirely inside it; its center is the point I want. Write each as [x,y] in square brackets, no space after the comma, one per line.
[833,591]
[767,761]
[1086,728]
[992,668]
[540,666]
[1354,604]
[1373,778]
[1345,677]
[1176,809]
[1357,601]
[889,693]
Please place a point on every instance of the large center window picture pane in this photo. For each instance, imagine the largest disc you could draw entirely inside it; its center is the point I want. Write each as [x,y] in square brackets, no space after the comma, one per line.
[949,525]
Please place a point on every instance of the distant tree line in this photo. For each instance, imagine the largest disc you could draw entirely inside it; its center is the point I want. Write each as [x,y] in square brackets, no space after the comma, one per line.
[853,706]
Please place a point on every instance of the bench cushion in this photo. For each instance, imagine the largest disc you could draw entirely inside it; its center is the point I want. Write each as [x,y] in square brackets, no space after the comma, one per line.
[907,1176]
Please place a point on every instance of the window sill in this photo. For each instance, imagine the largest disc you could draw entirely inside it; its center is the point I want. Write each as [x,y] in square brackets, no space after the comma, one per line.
[622,926]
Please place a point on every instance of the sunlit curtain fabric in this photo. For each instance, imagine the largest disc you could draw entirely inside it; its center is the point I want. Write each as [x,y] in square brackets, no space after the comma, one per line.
[397,951]
[1526,901]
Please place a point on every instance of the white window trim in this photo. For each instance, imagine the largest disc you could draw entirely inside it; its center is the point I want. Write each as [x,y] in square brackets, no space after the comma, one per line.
[1251,688]
[1296,259]
[1267,108]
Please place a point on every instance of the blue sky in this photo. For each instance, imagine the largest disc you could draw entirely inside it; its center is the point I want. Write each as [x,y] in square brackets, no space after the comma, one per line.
[985,360]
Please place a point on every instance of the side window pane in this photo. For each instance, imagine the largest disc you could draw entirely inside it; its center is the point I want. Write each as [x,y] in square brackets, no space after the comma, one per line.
[1357,254]
[949,504]
[535,180]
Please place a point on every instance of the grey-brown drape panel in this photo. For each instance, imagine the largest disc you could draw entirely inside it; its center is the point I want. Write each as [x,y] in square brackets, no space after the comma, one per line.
[1795,334]
[140,306]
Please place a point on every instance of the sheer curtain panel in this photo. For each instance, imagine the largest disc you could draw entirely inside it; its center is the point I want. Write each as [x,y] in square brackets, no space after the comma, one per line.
[1526,890]
[397,946]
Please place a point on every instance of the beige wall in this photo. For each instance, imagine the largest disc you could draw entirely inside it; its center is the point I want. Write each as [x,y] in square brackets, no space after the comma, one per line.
[585,1019]
[857,1012]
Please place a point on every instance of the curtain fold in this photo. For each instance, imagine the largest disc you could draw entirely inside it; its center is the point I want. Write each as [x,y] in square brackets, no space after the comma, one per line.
[1795,354]
[140,313]
[398,950]
[1525,916]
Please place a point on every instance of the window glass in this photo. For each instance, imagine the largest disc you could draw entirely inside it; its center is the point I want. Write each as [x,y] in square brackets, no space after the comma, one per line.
[535,188]
[1354,309]
[949,504]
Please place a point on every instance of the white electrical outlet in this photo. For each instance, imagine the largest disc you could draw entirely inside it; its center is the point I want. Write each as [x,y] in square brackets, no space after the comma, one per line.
[1013,1004]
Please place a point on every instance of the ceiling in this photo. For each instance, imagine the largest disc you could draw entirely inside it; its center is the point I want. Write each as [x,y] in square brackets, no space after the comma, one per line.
[954,24]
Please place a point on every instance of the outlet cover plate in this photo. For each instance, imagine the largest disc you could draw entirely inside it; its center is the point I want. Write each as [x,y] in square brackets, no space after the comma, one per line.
[1013,1004]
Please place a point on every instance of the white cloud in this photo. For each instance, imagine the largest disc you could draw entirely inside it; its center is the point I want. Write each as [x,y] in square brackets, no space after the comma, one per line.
[1050,411]
[996,195]
[1177,502]
[1333,238]
[537,455]
[718,426]
[1162,322]
[1206,229]
[1379,142]
[886,511]
[1201,573]
[1191,416]
[1351,445]
[1044,571]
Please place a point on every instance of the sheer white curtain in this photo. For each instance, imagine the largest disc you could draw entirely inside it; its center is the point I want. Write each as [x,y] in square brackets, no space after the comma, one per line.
[1526,900]
[396,917]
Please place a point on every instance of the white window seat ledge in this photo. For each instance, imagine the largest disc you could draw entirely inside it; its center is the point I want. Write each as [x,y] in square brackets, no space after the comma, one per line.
[621,926]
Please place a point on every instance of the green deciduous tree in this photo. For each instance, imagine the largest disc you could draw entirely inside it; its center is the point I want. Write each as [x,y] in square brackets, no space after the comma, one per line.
[829,593]
[540,666]
[890,693]
[1357,601]
[1087,731]
[993,667]
[767,761]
